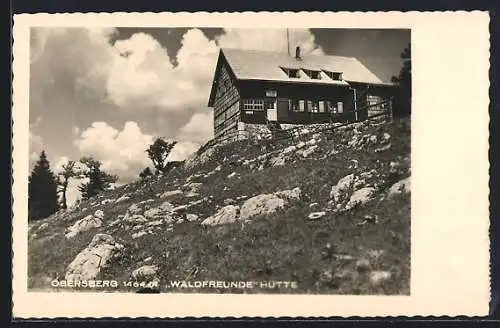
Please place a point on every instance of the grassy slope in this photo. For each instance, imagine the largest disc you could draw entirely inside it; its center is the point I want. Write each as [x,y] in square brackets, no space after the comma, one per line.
[282,246]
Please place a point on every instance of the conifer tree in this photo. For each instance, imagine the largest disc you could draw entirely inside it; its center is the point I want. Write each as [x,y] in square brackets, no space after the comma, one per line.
[98,180]
[42,190]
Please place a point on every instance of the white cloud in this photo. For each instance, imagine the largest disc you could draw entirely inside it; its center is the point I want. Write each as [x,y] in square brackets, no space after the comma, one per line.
[121,152]
[198,129]
[270,40]
[36,146]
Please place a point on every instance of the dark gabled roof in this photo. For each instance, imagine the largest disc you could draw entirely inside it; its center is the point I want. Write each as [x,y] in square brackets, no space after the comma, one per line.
[271,66]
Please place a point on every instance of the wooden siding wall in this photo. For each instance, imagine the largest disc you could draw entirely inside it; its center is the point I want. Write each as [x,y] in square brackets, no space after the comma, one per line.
[257,89]
[226,104]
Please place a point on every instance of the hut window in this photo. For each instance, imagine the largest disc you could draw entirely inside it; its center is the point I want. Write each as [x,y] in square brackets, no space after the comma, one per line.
[321,105]
[253,104]
[314,106]
[337,76]
[294,105]
[340,106]
[291,72]
[271,93]
[309,105]
[315,75]
[302,106]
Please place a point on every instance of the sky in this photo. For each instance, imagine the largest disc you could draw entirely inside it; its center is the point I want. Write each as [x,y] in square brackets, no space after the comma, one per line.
[108,92]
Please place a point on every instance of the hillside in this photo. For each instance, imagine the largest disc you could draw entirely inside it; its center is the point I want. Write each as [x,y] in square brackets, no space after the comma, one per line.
[328,211]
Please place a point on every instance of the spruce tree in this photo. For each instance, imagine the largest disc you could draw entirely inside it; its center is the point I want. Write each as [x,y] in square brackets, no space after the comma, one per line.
[42,190]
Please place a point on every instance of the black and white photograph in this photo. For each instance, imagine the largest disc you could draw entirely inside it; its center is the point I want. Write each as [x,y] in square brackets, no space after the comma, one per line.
[310,164]
[220,160]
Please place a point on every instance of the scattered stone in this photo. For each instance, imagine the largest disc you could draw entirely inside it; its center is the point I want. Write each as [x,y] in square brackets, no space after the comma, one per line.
[135,218]
[99,214]
[153,213]
[378,277]
[375,254]
[344,257]
[228,201]
[87,223]
[316,215]
[360,197]
[386,136]
[107,201]
[43,226]
[134,209]
[311,142]
[166,206]
[277,161]
[139,234]
[344,184]
[313,205]
[227,214]
[260,205]
[97,255]
[300,145]
[232,175]
[293,194]
[383,148]
[309,150]
[400,187]
[145,273]
[288,150]
[155,223]
[191,217]
[373,139]
[179,208]
[171,193]
[148,259]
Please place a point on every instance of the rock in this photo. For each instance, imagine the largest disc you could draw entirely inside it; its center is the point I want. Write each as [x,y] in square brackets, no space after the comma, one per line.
[155,223]
[378,277]
[134,209]
[360,197]
[99,214]
[96,256]
[227,214]
[311,142]
[139,234]
[153,213]
[122,198]
[342,186]
[107,201]
[145,273]
[373,139]
[402,186]
[343,257]
[313,205]
[135,218]
[288,150]
[148,259]
[228,201]
[383,148]
[309,151]
[277,161]
[179,208]
[293,194]
[316,215]
[232,175]
[386,136]
[191,217]
[171,193]
[166,206]
[87,223]
[300,145]
[260,205]
[43,226]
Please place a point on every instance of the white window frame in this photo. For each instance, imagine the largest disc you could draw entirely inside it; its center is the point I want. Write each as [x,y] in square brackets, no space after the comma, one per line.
[253,104]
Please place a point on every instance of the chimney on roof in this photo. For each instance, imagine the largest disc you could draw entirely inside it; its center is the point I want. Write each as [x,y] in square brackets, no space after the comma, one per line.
[297,52]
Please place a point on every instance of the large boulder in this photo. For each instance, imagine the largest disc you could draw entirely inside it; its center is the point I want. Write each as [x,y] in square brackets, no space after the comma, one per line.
[145,273]
[260,205]
[360,197]
[227,214]
[96,256]
[402,186]
[343,186]
[85,224]
[290,194]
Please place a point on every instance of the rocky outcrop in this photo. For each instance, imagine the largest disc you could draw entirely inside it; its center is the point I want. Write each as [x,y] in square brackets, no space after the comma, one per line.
[227,214]
[261,205]
[85,224]
[402,186]
[96,256]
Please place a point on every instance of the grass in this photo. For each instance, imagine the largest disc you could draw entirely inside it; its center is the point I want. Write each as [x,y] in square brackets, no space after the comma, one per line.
[283,246]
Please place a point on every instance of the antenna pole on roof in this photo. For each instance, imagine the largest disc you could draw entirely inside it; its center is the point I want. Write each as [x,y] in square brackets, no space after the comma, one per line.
[287,42]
